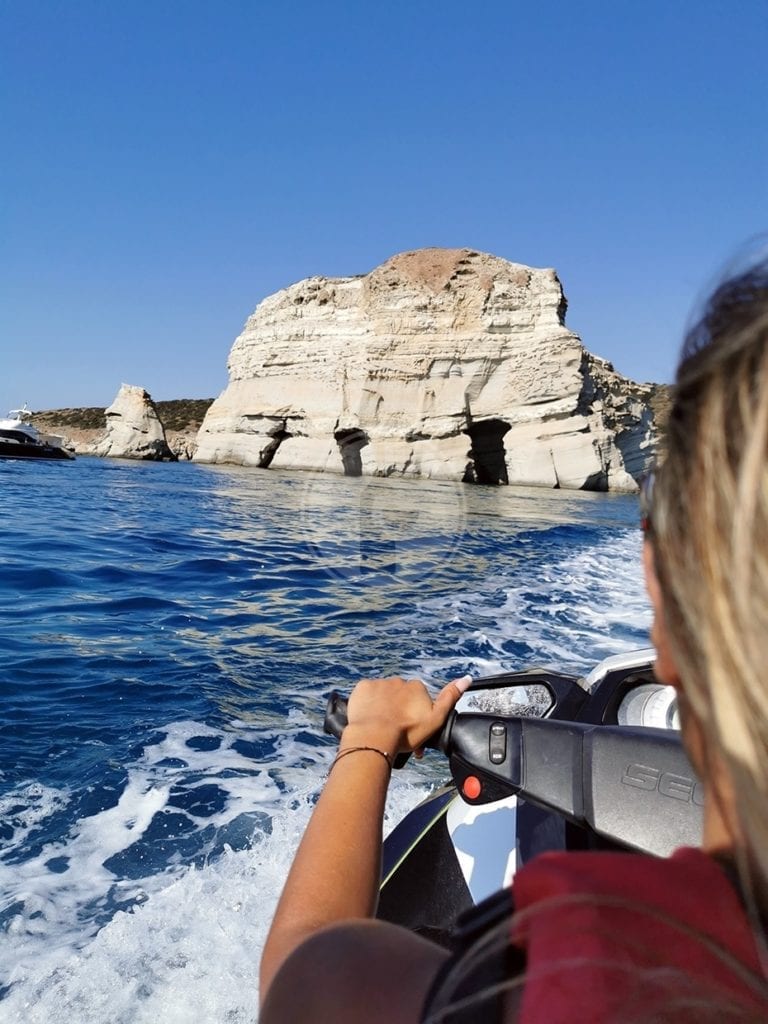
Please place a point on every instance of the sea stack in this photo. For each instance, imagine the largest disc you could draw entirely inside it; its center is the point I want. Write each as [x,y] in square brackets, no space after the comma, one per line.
[134,430]
[442,363]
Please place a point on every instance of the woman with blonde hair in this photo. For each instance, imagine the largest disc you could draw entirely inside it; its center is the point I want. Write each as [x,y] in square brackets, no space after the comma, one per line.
[594,936]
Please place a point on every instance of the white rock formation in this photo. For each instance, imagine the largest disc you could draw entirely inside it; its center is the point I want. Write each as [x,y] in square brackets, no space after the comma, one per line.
[182,444]
[444,363]
[133,428]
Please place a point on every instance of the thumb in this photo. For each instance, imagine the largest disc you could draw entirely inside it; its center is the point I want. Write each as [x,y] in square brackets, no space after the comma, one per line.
[451,692]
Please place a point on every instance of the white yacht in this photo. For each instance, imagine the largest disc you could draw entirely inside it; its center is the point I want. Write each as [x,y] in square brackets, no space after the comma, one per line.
[20,440]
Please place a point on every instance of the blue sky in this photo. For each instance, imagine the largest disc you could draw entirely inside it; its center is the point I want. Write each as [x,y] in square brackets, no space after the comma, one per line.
[166,165]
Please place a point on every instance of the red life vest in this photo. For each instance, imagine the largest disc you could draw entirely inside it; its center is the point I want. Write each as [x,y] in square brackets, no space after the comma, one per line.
[615,937]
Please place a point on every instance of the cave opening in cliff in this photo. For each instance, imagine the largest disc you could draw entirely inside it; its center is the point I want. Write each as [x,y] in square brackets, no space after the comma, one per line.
[488,463]
[351,443]
[270,450]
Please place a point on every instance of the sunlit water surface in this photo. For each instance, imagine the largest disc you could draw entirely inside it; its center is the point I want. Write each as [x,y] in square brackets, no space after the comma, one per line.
[168,636]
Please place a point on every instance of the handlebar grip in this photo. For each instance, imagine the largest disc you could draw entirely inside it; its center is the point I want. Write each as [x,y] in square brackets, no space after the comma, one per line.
[336,720]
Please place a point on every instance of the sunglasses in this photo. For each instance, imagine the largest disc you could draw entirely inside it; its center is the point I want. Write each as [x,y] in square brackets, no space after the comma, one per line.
[646,501]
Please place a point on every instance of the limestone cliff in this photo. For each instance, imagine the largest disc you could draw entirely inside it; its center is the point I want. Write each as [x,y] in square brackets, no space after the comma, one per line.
[134,430]
[444,363]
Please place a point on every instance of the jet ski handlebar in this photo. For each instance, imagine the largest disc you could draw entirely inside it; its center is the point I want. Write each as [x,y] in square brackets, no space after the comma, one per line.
[632,785]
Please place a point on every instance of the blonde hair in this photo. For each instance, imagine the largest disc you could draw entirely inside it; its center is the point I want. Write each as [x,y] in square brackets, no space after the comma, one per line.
[710,539]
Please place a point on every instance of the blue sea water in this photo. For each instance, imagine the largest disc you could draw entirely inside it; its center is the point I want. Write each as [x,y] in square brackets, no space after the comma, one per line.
[168,636]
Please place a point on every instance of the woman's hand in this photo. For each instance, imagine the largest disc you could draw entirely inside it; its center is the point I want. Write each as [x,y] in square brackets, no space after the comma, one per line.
[398,715]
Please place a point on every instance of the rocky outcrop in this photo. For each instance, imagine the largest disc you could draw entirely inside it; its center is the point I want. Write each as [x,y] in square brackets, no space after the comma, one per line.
[181,444]
[134,430]
[182,418]
[83,428]
[443,363]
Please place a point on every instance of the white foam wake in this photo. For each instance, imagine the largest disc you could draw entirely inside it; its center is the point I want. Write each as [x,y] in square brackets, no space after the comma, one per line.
[189,949]
[568,613]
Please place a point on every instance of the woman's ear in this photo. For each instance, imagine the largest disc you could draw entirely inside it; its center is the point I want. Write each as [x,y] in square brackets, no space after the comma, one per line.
[665,668]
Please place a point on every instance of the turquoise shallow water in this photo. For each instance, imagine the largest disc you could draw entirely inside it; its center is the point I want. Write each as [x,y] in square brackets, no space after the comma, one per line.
[168,635]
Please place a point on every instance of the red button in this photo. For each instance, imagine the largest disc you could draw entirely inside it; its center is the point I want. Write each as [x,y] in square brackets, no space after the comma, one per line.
[472,787]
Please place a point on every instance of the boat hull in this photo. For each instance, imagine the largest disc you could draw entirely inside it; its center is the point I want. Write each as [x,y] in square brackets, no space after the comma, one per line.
[15,450]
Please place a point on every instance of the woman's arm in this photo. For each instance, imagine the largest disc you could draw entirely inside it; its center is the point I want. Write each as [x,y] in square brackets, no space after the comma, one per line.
[335,874]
